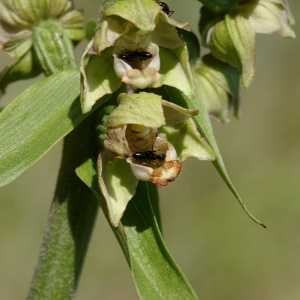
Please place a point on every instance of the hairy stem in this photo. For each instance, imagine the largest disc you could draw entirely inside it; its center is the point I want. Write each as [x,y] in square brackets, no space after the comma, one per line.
[71,219]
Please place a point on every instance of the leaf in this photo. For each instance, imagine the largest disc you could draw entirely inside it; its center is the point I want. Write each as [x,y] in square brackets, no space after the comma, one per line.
[36,120]
[204,126]
[155,273]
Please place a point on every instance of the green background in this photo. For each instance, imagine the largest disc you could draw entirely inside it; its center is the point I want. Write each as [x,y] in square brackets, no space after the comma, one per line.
[221,251]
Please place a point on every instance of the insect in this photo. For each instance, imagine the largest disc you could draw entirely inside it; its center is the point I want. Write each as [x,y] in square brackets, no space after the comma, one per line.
[132,55]
[166,9]
[147,157]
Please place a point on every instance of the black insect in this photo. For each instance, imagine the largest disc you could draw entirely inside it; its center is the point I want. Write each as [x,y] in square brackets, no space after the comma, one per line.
[166,9]
[129,56]
[147,157]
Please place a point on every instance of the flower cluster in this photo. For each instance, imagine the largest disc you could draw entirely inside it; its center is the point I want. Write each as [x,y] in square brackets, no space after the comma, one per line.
[139,47]
[230,36]
[145,137]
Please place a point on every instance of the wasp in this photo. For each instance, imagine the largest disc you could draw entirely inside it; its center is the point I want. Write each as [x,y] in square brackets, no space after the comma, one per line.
[147,157]
[166,9]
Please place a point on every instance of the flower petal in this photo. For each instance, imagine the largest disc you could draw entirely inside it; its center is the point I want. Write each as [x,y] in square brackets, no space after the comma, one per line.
[188,142]
[137,79]
[233,41]
[166,173]
[141,13]
[268,17]
[143,109]
[175,70]
[175,114]
[98,77]
[117,184]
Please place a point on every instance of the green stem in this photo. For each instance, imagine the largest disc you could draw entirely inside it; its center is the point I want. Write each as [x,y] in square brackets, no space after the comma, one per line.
[70,223]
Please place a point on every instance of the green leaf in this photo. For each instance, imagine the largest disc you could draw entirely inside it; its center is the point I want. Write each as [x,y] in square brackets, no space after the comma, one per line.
[36,120]
[204,126]
[155,273]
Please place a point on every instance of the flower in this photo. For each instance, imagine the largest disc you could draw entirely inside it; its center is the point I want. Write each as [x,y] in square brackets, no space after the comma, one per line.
[147,139]
[231,36]
[139,47]
[40,29]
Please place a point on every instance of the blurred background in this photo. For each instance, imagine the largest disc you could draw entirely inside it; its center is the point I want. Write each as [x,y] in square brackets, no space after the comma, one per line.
[221,251]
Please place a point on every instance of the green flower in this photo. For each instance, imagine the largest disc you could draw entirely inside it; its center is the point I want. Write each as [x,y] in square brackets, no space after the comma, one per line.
[147,139]
[139,47]
[39,35]
[231,37]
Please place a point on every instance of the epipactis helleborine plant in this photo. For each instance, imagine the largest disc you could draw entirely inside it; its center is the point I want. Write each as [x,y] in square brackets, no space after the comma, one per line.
[139,47]
[147,139]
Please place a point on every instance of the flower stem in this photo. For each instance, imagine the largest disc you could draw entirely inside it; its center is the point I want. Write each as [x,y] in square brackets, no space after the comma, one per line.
[71,220]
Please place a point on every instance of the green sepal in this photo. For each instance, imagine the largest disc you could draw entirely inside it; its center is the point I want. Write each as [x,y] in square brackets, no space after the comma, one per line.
[72,22]
[187,141]
[19,44]
[117,184]
[233,41]
[26,67]
[53,48]
[98,77]
[141,13]
[220,83]
[175,70]
[143,109]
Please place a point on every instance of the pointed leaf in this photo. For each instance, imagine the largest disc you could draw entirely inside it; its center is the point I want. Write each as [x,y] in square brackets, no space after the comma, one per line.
[36,120]
[155,273]
[204,126]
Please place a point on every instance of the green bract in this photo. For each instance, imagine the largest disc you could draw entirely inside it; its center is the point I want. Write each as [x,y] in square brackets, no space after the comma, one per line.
[146,124]
[231,38]
[219,84]
[40,29]
[139,47]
